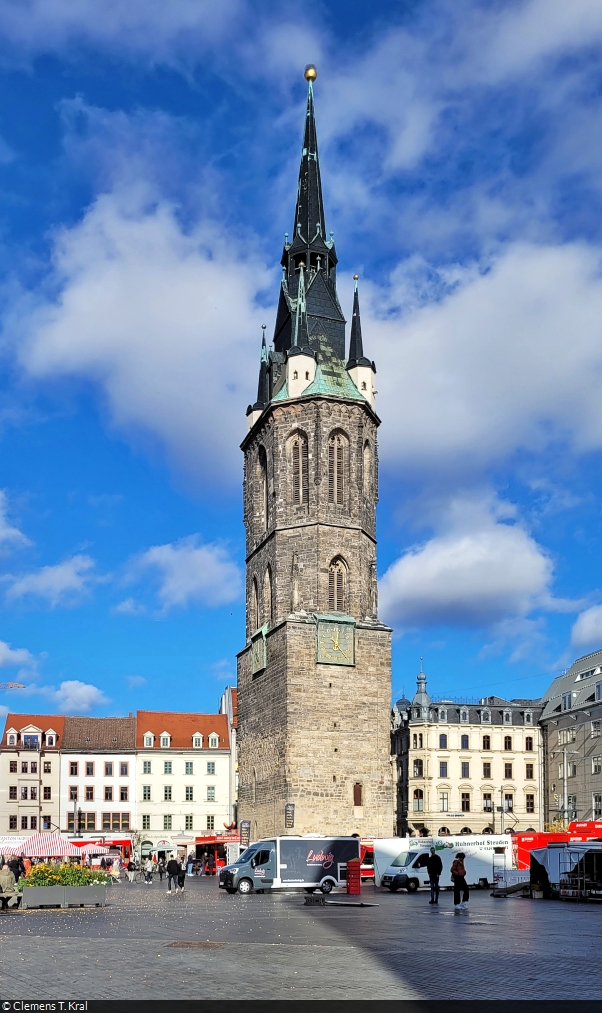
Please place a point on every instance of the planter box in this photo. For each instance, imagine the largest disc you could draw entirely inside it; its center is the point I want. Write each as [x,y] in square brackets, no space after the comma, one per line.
[89,896]
[43,896]
[64,896]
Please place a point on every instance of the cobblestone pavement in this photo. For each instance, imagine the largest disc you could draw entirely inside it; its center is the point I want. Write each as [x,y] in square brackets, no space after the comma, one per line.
[274,947]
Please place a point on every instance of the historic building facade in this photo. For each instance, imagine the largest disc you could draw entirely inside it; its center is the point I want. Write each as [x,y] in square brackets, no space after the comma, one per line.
[30,773]
[314,677]
[571,725]
[467,768]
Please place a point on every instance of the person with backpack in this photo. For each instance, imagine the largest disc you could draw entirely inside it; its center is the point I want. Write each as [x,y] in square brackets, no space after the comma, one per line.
[458,875]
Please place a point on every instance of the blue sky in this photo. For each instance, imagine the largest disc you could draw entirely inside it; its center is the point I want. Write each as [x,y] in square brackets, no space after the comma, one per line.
[148,164]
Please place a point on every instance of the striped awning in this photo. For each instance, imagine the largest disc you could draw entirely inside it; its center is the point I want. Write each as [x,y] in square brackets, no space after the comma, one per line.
[48,846]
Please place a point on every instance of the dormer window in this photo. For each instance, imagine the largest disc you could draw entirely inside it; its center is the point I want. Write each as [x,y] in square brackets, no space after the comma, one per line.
[165,740]
[50,741]
[197,741]
[486,717]
[464,715]
[149,739]
[443,715]
[507,718]
[213,741]
[12,740]
[528,718]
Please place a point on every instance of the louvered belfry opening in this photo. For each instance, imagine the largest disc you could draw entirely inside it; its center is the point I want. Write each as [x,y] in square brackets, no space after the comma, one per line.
[336,468]
[300,470]
[337,580]
[267,596]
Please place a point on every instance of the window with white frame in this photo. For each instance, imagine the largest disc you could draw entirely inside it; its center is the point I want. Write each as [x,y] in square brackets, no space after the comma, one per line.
[12,740]
[595,729]
[443,801]
[165,740]
[148,741]
[211,767]
[211,793]
[189,821]
[167,822]
[596,764]
[597,805]
[211,823]
[189,769]
[50,741]
[464,715]
[189,793]
[507,718]
[197,741]
[213,741]
[528,718]
[599,691]
[567,700]
[443,714]
[486,717]
[146,822]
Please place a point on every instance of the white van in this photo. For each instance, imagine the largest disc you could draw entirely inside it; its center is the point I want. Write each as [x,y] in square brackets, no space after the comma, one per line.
[400,862]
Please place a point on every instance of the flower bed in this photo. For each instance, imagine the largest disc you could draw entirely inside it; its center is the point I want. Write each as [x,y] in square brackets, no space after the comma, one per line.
[64,875]
[64,885]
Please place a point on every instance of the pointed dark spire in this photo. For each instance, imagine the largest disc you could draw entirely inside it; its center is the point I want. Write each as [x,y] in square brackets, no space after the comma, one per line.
[263,396]
[356,348]
[309,215]
[300,332]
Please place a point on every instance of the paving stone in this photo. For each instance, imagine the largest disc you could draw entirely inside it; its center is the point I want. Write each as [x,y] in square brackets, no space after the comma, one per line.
[275,947]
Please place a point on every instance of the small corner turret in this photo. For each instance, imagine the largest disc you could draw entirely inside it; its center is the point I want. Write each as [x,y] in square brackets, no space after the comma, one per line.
[263,396]
[360,369]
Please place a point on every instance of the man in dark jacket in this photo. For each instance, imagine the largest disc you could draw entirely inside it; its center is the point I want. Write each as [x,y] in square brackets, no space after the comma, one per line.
[173,870]
[434,867]
[17,867]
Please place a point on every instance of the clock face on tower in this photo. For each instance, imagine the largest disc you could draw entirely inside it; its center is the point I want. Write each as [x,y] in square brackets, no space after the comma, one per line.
[336,643]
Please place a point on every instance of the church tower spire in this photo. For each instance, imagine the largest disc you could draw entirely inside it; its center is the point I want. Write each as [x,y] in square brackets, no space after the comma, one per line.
[310,494]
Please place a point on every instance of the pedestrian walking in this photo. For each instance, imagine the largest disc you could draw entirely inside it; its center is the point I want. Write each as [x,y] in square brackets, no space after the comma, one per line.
[458,875]
[148,871]
[103,863]
[434,867]
[173,870]
[189,864]
[130,870]
[17,868]
[161,869]
[203,863]
[211,864]
[182,875]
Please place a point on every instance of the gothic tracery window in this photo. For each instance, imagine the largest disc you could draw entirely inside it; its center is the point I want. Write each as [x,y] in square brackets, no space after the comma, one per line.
[262,462]
[267,596]
[254,607]
[337,453]
[337,586]
[367,470]
[300,469]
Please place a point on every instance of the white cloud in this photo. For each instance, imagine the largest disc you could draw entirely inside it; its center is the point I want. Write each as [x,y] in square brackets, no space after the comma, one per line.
[152,29]
[136,680]
[188,571]
[15,656]
[504,360]
[128,607]
[478,571]
[63,584]
[9,535]
[74,696]
[587,630]
[162,319]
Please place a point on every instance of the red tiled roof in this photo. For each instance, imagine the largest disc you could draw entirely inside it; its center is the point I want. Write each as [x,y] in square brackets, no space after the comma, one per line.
[43,721]
[181,727]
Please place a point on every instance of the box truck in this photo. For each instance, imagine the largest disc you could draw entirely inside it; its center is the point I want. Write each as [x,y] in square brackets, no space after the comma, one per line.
[400,862]
[277,863]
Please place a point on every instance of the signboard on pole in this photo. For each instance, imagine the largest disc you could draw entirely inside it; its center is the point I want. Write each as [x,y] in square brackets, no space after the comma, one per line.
[289,815]
[245,833]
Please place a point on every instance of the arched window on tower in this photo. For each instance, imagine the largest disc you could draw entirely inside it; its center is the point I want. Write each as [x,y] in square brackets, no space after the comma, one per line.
[337,466]
[262,463]
[367,470]
[299,468]
[267,596]
[337,586]
[254,607]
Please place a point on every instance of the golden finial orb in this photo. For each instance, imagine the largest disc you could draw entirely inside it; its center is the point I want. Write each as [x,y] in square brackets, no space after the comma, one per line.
[310,73]
[355,277]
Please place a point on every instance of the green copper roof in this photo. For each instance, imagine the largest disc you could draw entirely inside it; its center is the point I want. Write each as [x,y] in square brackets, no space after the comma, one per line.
[331,379]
